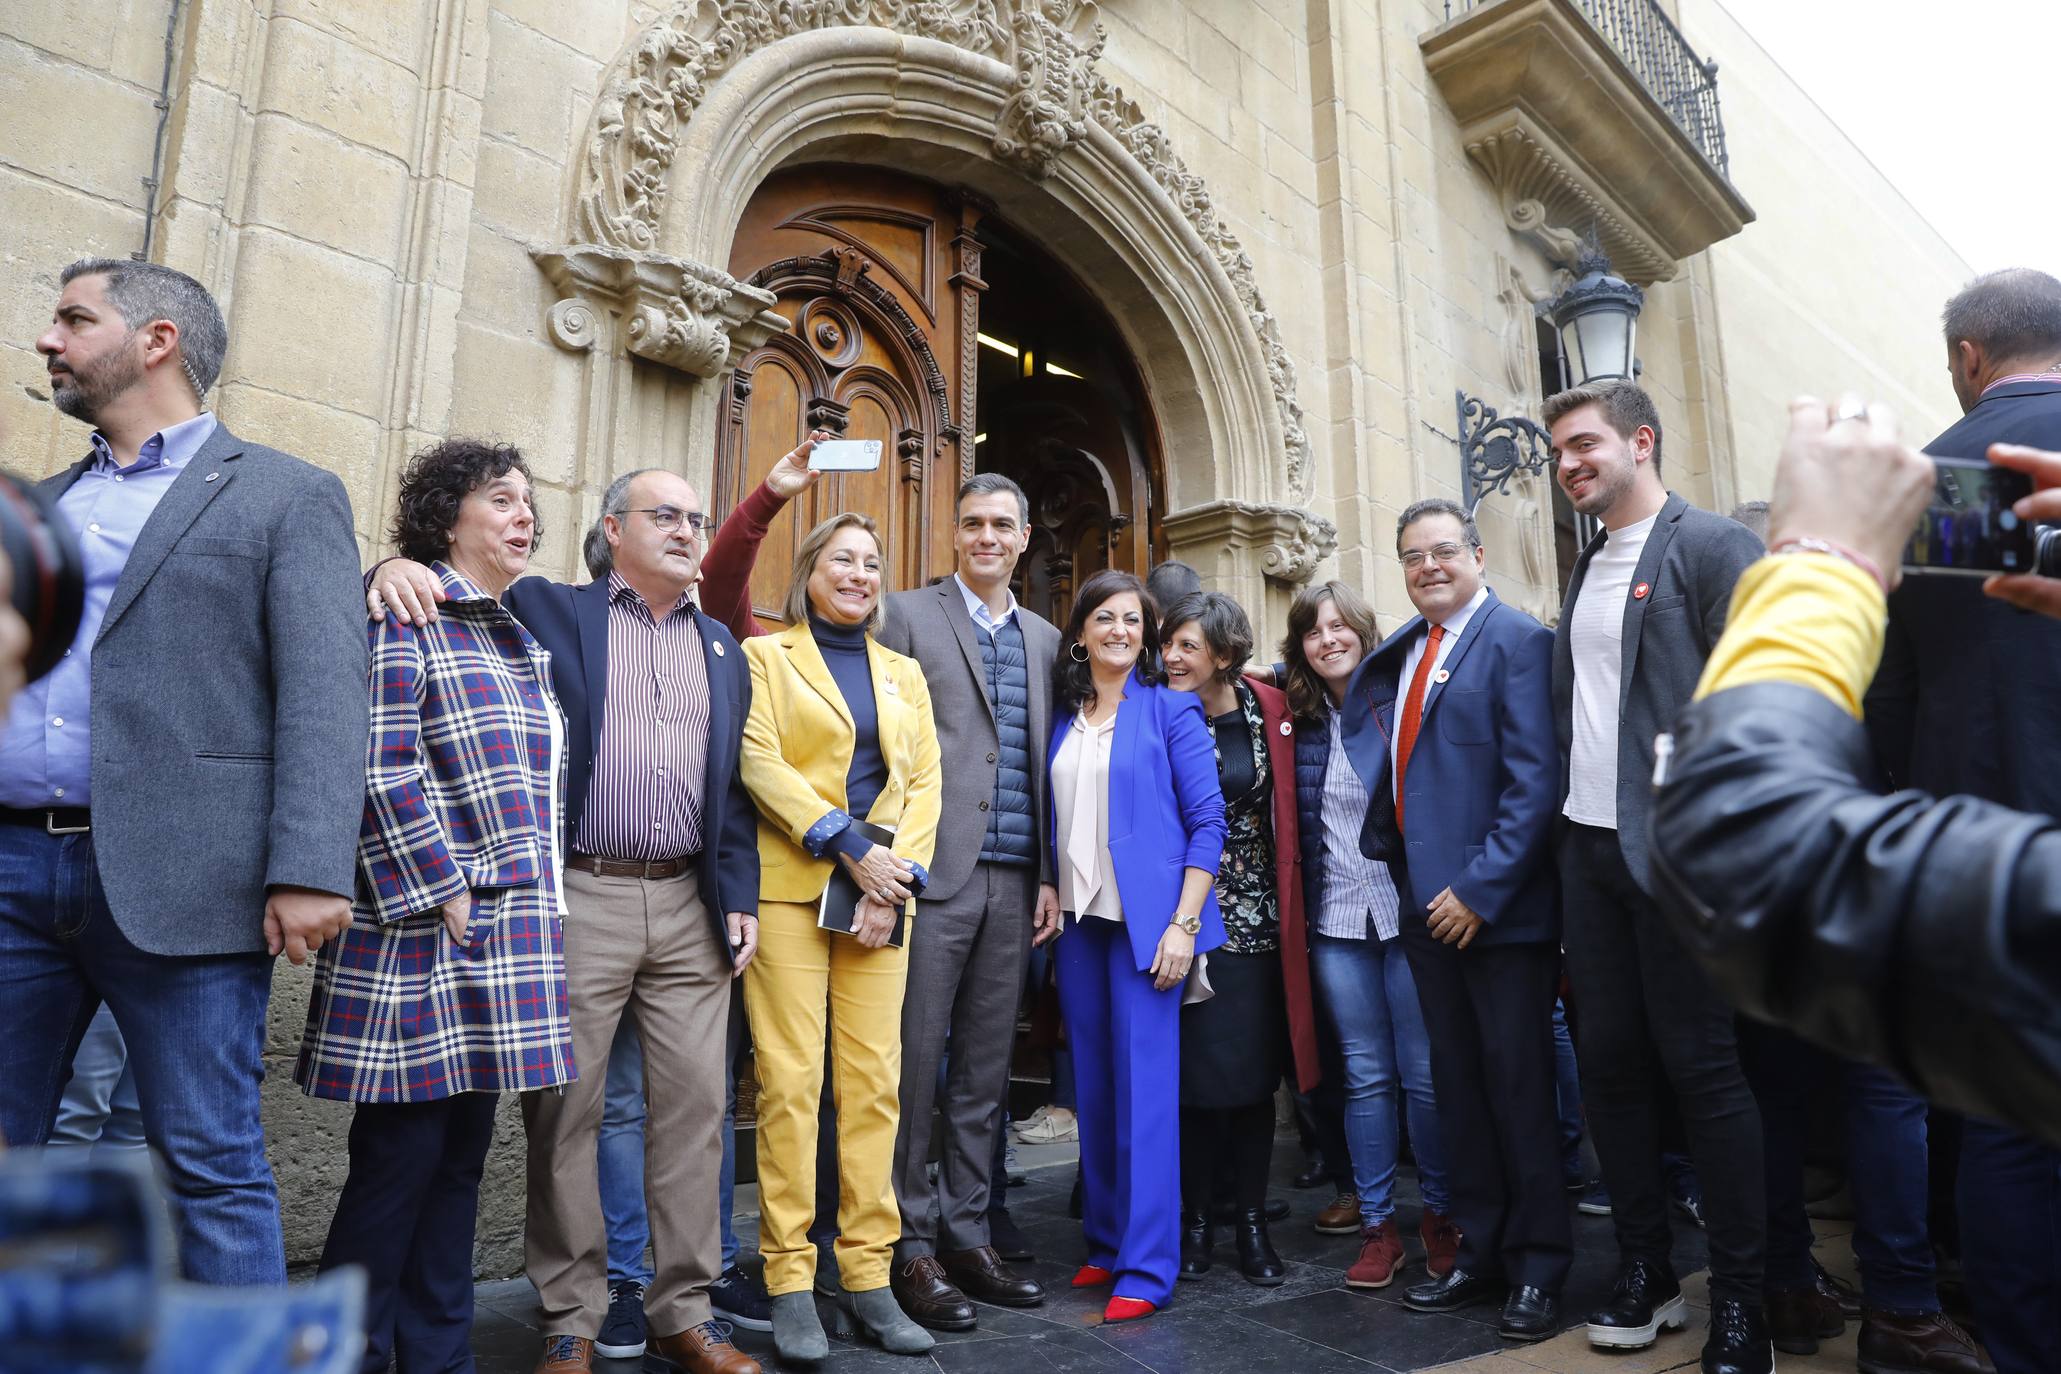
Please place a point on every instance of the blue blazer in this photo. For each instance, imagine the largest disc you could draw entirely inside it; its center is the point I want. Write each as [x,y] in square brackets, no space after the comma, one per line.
[1166,810]
[1484,784]
[572,622]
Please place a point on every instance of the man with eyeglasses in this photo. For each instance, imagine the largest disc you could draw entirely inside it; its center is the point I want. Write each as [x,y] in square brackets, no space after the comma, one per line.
[661,890]
[1454,712]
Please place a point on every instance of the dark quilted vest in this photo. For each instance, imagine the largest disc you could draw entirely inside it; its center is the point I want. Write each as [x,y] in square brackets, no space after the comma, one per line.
[1312,753]
[1012,824]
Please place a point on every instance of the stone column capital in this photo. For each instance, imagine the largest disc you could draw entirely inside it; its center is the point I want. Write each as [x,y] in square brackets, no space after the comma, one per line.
[1290,541]
[684,315]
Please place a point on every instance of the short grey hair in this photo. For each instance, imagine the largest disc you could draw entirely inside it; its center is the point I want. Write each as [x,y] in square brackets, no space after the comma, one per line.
[596,549]
[2009,314]
[1438,505]
[990,484]
[146,291]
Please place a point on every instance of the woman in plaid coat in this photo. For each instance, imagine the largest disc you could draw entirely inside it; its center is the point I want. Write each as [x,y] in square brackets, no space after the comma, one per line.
[449,986]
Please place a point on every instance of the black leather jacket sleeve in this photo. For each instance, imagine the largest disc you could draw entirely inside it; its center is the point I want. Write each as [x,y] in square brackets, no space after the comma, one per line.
[1919,933]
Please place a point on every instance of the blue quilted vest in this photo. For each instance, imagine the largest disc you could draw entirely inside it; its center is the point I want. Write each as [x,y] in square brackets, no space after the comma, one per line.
[1012,836]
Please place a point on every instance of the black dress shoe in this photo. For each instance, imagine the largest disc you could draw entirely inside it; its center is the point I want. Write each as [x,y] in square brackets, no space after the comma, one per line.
[1226,1213]
[1256,1257]
[982,1276]
[1738,1341]
[1456,1290]
[929,1298]
[1008,1238]
[1198,1239]
[1311,1176]
[1530,1314]
[1646,1300]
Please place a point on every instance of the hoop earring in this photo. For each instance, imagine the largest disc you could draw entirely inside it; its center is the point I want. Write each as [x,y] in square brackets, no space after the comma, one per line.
[1078,653]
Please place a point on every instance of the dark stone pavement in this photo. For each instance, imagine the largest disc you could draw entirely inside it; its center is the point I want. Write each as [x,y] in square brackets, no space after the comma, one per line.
[1312,1324]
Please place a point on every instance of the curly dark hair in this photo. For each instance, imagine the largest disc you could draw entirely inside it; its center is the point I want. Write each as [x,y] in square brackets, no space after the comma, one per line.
[1072,682]
[434,484]
[1225,629]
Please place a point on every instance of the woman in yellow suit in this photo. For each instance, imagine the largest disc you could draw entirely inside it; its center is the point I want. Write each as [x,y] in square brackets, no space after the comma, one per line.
[840,728]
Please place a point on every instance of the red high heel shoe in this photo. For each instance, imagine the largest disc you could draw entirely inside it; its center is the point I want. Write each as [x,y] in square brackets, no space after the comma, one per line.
[1091,1276]
[1127,1310]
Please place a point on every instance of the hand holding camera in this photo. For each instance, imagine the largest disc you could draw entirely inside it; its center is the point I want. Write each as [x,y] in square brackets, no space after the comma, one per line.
[2039,590]
[1845,480]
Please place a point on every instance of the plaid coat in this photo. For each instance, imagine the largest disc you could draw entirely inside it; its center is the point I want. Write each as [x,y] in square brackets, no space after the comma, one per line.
[464,781]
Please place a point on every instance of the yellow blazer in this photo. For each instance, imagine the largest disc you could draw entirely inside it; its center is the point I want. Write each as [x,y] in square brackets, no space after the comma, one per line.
[798,744]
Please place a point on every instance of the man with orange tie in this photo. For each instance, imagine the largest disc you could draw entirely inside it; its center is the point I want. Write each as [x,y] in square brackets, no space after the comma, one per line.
[1476,780]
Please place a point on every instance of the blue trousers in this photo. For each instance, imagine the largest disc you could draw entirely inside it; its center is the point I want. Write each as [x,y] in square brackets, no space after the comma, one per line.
[100,1108]
[620,1162]
[407,1216]
[195,1028]
[1889,1163]
[1127,1075]
[1370,1001]
[2010,1198]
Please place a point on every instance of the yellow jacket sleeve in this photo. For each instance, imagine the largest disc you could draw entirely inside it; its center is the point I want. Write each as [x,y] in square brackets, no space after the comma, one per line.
[783,796]
[1810,619]
[924,797]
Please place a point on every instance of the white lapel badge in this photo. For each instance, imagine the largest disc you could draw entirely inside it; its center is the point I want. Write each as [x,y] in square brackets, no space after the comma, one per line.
[211,477]
[1286,728]
[717,645]
[888,684]
[1441,675]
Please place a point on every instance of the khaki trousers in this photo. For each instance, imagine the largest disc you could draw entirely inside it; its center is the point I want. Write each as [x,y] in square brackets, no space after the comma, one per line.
[648,945]
[801,973]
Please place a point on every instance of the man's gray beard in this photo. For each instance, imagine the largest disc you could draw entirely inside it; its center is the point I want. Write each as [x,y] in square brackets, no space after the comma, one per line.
[88,393]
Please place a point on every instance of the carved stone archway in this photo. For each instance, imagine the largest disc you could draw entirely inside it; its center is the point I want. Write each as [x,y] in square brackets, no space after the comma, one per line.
[1001,96]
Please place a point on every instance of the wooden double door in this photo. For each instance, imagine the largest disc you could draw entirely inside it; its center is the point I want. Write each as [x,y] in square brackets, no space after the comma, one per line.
[918,321]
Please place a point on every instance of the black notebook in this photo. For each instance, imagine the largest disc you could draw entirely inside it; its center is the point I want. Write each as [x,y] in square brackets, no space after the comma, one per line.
[841,898]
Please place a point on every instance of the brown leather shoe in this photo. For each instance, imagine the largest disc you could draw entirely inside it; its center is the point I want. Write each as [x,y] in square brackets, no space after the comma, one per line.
[1441,1237]
[1798,1318]
[980,1274]
[699,1350]
[928,1297]
[1381,1256]
[1929,1343]
[1342,1217]
[566,1355]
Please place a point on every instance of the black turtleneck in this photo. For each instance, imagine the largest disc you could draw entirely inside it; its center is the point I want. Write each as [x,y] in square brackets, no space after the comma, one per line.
[844,650]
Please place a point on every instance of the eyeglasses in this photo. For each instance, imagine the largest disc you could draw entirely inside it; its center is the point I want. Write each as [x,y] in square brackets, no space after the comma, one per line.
[670,518]
[1439,553]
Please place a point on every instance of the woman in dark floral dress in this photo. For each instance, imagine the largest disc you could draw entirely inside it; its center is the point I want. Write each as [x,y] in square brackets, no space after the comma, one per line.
[1236,1043]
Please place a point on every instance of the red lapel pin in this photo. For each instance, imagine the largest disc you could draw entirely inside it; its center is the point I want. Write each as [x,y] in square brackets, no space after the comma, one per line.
[1639,592]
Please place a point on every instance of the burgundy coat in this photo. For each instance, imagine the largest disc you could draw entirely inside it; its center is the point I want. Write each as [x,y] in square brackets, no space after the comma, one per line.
[1295,931]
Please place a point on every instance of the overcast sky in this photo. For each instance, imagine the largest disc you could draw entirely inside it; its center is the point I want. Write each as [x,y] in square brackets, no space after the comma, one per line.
[1958,102]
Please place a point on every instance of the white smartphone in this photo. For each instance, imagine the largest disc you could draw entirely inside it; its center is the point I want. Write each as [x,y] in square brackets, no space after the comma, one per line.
[845,455]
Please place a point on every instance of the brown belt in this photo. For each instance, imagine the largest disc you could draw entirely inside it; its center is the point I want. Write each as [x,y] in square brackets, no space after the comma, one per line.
[632,868]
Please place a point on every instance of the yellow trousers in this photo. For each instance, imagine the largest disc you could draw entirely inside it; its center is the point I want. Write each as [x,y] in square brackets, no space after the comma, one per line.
[800,974]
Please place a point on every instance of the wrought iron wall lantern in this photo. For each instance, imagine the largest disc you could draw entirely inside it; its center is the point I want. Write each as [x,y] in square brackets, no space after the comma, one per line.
[1595,322]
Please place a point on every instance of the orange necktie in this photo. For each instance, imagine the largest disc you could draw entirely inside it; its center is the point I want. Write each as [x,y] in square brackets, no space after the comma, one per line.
[1413,716]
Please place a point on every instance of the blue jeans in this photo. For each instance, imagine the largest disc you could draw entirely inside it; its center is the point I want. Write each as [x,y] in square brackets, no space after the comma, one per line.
[1567,1094]
[621,1159]
[195,1028]
[2010,1195]
[1371,1002]
[726,1180]
[100,1109]
[1889,1164]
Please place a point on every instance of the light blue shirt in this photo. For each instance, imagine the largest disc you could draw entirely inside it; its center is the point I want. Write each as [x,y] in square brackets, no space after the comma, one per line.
[45,759]
[978,608]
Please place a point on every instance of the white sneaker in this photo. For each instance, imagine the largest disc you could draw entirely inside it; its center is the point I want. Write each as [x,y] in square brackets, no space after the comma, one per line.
[1048,1126]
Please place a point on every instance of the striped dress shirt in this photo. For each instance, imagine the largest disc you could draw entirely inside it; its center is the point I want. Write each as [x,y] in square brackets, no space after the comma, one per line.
[644,801]
[1355,886]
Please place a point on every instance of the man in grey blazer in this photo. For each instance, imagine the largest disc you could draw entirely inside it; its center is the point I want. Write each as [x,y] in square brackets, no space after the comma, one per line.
[180,796]
[1646,603]
[989,665]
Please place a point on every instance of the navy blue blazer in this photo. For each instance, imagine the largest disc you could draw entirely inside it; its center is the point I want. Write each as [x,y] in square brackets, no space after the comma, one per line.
[1166,810]
[1964,699]
[1484,784]
[572,622]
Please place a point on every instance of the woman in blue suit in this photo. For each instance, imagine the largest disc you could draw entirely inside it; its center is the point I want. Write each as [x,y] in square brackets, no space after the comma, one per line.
[1138,830]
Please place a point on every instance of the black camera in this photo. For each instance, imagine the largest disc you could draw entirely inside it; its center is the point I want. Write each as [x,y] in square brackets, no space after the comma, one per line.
[49,575]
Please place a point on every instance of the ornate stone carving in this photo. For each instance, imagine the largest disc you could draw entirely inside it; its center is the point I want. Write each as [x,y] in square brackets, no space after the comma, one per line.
[843,270]
[679,313]
[1291,542]
[1055,77]
[1051,46]
[1542,194]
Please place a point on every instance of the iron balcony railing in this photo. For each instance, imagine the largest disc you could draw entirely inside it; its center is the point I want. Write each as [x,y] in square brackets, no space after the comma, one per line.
[1651,45]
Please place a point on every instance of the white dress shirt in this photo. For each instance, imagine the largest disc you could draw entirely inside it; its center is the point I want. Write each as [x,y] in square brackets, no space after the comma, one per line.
[1595,631]
[1454,625]
[978,608]
[1080,797]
